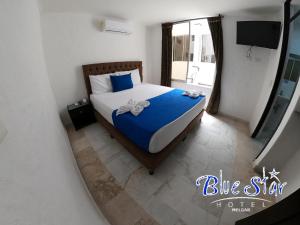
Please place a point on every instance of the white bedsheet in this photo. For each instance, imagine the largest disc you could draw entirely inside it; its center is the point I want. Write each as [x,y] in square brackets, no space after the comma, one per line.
[106,103]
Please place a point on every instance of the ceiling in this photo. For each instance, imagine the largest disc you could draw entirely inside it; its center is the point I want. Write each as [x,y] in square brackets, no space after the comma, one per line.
[158,11]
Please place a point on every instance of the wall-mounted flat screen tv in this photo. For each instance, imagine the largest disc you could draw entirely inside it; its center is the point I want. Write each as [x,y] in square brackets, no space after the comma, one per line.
[264,34]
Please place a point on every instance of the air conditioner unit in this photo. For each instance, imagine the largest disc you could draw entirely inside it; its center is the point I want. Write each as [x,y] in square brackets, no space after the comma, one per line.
[110,25]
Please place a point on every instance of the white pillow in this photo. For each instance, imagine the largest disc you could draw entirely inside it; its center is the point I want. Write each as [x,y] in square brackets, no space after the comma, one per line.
[101,83]
[135,75]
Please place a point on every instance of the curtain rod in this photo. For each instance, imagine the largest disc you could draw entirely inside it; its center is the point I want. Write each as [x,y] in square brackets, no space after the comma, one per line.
[182,21]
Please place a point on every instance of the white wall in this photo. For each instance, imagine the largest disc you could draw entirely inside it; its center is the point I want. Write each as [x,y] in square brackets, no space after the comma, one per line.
[297,109]
[268,81]
[153,41]
[73,39]
[285,142]
[267,87]
[285,145]
[242,80]
[39,182]
[283,150]
[284,155]
[290,173]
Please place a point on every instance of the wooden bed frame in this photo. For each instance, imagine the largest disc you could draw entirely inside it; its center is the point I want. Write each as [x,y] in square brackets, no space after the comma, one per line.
[149,160]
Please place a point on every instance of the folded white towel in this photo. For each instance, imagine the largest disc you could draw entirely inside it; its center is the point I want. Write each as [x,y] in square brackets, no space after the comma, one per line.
[144,103]
[134,107]
[192,93]
[137,109]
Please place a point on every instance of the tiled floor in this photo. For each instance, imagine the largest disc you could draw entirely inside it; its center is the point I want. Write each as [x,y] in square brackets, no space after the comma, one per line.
[170,195]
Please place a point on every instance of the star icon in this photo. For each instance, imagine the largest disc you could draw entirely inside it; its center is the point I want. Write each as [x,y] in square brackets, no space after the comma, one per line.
[274,174]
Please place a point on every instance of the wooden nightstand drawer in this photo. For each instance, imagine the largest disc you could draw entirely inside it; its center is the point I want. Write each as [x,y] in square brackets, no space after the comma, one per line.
[81,111]
[81,115]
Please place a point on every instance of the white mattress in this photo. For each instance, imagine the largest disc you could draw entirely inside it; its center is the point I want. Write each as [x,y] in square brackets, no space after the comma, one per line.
[106,103]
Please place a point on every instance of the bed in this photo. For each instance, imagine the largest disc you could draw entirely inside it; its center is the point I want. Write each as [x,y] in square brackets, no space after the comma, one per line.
[165,138]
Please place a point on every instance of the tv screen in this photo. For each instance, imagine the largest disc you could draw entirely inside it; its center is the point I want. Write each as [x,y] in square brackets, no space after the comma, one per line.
[264,34]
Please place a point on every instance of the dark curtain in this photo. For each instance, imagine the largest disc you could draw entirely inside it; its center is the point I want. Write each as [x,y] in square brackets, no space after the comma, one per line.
[166,54]
[215,25]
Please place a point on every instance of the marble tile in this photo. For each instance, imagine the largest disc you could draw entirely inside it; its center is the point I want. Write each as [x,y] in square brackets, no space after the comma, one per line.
[163,213]
[195,152]
[93,172]
[141,186]
[73,134]
[193,215]
[216,165]
[144,221]
[122,166]
[105,189]
[80,144]
[229,218]
[122,210]
[180,222]
[196,169]
[94,130]
[101,140]
[177,194]
[170,196]
[206,204]
[170,168]
[86,157]
[108,152]
[115,203]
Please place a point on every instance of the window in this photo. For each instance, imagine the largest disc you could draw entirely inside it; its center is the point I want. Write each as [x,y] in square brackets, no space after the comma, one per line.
[193,53]
[207,51]
[181,47]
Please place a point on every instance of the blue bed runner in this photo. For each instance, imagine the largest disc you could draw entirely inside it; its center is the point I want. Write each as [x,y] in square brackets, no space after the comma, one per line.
[163,110]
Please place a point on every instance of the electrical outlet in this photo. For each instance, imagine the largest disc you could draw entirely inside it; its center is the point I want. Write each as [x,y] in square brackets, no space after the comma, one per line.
[3,132]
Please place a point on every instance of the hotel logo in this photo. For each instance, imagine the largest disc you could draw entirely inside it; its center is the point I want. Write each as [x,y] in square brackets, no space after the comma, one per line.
[238,197]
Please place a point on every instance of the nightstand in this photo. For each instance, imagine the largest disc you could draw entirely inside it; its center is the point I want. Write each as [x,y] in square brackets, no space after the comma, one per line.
[81,114]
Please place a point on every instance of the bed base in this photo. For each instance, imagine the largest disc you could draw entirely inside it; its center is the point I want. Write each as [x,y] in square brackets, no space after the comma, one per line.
[150,160]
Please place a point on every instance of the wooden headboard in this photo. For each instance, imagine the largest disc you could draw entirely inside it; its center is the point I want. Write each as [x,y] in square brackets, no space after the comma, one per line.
[110,67]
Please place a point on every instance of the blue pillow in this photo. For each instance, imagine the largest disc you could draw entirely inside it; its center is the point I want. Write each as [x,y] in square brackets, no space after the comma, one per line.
[120,83]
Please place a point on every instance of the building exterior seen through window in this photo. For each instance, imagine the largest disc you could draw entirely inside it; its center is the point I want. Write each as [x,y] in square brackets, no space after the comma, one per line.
[193,53]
